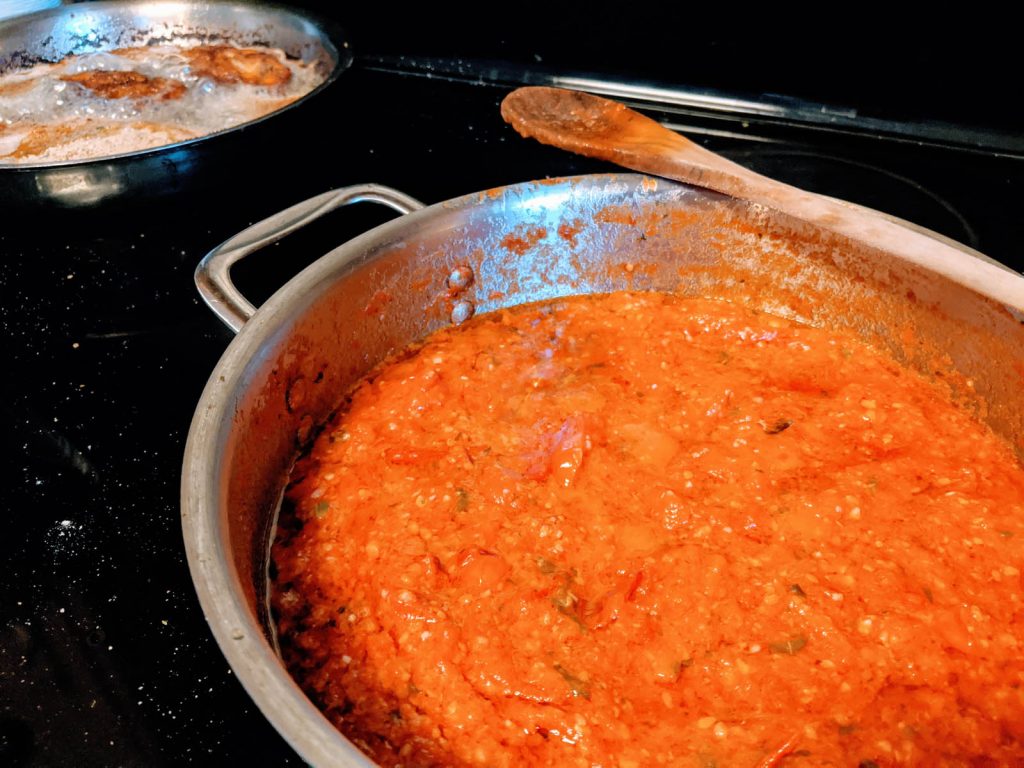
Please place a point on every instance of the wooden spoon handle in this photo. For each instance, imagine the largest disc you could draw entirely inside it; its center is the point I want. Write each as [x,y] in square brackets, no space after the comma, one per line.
[597,127]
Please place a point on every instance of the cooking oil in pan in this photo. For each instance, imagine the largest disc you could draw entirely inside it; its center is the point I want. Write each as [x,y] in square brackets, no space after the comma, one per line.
[47,115]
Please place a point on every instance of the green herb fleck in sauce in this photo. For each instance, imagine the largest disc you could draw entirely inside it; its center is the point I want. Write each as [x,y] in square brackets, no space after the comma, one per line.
[579,686]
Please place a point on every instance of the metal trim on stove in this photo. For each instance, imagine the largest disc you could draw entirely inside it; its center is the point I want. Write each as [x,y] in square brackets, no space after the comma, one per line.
[770,108]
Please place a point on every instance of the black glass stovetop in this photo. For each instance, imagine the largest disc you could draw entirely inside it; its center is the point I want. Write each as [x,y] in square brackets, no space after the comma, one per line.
[105,657]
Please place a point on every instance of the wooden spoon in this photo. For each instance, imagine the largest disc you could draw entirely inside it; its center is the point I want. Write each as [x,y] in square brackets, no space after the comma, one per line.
[596,127]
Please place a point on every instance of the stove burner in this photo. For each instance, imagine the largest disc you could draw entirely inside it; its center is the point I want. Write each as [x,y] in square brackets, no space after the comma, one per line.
[860,183]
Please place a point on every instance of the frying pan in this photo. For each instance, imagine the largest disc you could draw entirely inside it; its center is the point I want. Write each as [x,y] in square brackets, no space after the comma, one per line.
[157,173]
[296,355]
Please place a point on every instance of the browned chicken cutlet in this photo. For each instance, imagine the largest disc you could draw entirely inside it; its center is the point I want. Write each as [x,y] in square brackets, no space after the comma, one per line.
[127,85]
[237,65]
[44,138]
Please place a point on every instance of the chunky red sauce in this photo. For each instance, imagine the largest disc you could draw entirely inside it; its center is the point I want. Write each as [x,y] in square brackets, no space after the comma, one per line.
[638,530]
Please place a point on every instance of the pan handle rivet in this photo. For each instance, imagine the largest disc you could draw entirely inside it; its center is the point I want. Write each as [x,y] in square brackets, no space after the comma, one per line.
[462,310]
[460,278]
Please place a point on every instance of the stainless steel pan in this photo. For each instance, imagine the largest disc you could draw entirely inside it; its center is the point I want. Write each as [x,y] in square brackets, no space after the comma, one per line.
[98,26]
[293,358]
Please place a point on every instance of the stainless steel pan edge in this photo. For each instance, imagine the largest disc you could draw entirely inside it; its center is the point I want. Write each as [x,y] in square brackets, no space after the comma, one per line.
[281,375]
[237,624]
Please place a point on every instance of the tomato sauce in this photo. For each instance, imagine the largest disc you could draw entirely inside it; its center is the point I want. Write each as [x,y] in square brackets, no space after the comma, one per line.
[636,529]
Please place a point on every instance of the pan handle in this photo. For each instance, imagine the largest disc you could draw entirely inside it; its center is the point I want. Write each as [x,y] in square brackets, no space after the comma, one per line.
[213,275]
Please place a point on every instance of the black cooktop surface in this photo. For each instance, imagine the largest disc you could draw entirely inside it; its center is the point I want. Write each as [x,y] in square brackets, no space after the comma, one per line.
[105,657]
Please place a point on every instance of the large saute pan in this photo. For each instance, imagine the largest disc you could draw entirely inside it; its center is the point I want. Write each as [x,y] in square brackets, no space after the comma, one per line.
[100,26]
[298,353]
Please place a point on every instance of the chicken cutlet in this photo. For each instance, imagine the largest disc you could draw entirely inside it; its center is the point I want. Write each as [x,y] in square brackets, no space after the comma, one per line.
[226,64]
[54,142]
[127,85]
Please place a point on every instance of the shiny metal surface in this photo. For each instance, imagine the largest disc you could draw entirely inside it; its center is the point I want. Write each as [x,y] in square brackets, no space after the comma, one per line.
[97,26]
[595,127]
[11,8]
[213,275]
[287,369]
